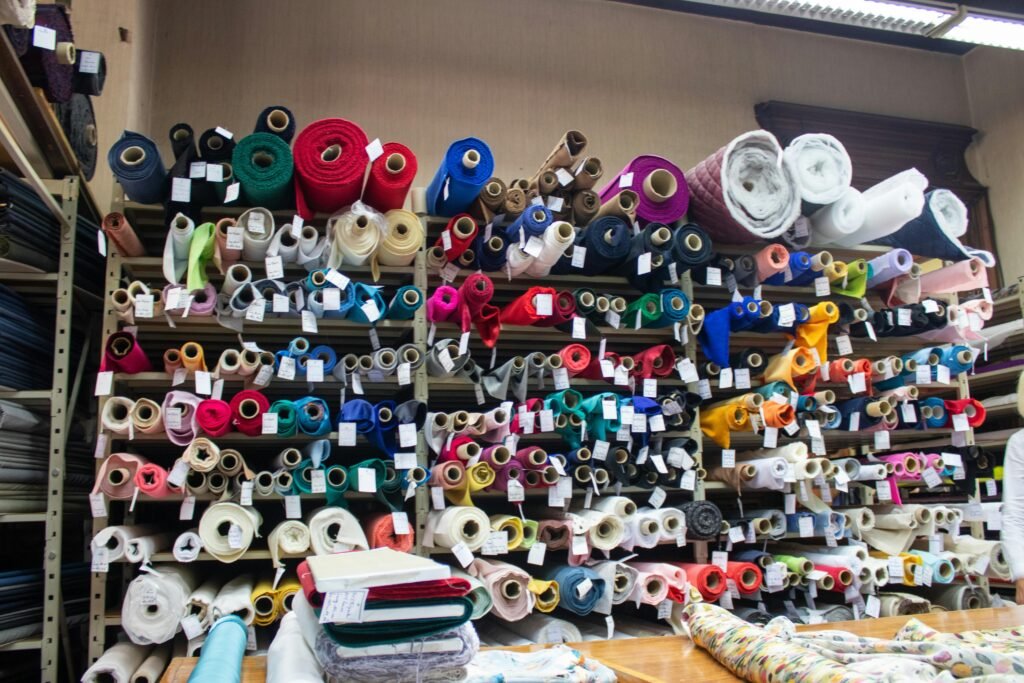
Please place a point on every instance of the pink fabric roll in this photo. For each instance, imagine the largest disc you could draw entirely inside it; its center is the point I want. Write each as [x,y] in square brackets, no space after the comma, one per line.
[508,586]
[450,452]
[959,277]
[523,456]
[214,417]
[443,305]
[116,478]
[188,403]
[650,588]
[555,533]
[771,260]
[151,479]
[122,353]
[674,577]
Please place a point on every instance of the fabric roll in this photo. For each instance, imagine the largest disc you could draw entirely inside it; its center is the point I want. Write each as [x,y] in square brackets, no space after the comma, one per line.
[660,186]
[856,281]
[523,310]
[213,146]
[290,659]
[214,528]
[465,169]
[813,334]
[889,266]
[956,277]
[247,408]
[478,594]
[960,597]
[187,546]
[744,191]
[459,524]
[557,238]
[786,367]
[259,231]
[354,236]
[936,230]
[177,248]
[836,221]
[222,653]
[718,423]
[278,121]
[703,519]
[508,586]
[971,407]
[120,232]
[746,575]
[888,206]
[289,538]
[402,240]
[135,161]
[334,529]
[187,403]
[821,169]
[235,597]
[330,161]
[569,580]
[117,664]
[263,164]
[115,539]
[122,353]
[709,579]
[151,480]
[154,604]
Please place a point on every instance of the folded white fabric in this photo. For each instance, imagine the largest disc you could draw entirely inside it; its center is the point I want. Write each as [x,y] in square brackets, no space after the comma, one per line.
[235,597]
[289,659]
[117,664]
[155,603]
[334,529]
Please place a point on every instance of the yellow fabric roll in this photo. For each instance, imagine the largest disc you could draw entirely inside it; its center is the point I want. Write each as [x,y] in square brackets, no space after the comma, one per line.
[836,271]
[783,367]
[478,477]
[545,594]
[264,601]
[719,422]
[192,358]
[404,238]
[813,334]
[511,524]
[282,598]
[909,562]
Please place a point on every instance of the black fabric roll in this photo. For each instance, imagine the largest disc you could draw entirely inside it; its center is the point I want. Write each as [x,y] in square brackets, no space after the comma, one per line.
[607,241]
[78,121]
[703,520]
[208,149]
[705,371]
[741,359]
[846,313]
[685,257]
[90,84]
[978,463]
[202,194]
[183,140]
[725,264]
[41,66]
[918,424]
[263,123]
[856,406]
[641,244]
[745,271]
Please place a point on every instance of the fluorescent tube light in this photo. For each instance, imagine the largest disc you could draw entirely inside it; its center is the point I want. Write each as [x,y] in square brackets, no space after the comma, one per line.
[988,31]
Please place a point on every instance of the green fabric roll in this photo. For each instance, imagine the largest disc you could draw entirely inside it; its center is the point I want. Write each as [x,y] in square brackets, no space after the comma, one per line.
[855,286]
[648,307]
[299,483]
[397,631]
[565,402]
[398,309]
[793,563]
[581,309]
[287,418]
[200,251]
[775,388]
[597,426]
[382,489]
[391,491]
[529,539]
[263,164]
[336,494]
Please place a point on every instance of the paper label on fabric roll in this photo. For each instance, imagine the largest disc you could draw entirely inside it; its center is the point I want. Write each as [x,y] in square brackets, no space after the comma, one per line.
[314,370]
[658,496]
[882,440]
[269,423]
[626,180]
[741,376]
[555,204]
[641,456]
[736,534]
[547,421]
[318,481]
[564,487]
[725,378]
[659,463]
[144,306]
[621,376]
[104,382]
[973,512]
[400,522]
[687,370]
[607,368]
[496,544]
[643,263]
[639,424]
[903,318]
[449,272]
[787,315]
[263,376]
[543,303]
[960,423]
[854,422]
[990,488]
[100,451]
[404,374]
[564,177]
[44,37]
[771,437]
[462,554]
[287,368]
[331,299]
[235,537]
[678,457]
[293,507]
[650,389]
[214,173]
[923,374]
[704,389]
[197,169]
[374,149]
[883,490]
[180,469]
[346,433]
[688,481]
[405,461]
[437,497]
[561,377]
[579,328]
[656,423]
[534,246]
[895,566]
[931,478]
[579,256]
[181,190]
[231,194]
[191,626]
[100,560]
[256,310]
[309,325]
[822,287]
[857,382]
[613,319]
[806,527]
[942,374]
[245,498]
[843,345]
[203,383]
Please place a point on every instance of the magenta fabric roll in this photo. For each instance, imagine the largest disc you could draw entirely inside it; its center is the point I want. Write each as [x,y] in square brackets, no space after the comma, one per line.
[443,305]
[485,456]
[122,353]
[214,417]
[651,209]
[188,403]
[513,469]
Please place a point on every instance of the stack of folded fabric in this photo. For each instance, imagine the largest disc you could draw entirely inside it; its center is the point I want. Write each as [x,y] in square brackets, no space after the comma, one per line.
[384,615]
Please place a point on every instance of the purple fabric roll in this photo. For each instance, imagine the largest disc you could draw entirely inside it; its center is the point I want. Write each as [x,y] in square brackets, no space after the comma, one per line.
[663,199]
[188,403]
[41,66]
[889,266]
[511,469]
[204,301]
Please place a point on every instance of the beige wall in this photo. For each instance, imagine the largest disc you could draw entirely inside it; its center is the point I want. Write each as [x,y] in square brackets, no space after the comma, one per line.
[996,92]
[517,74]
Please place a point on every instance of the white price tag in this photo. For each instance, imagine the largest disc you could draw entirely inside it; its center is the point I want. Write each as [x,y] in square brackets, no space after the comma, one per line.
[882,440]
[181,190]
[725,378]
[346,433]
[714,277]
[822,286]
[293,507]
[309,324]
[742,378]
[960,423]
[367,480]
[314,370]
[536,554]
[269,423]
[44,37]
[104,382]
[658,496]
[543,304]
[843,345]
[462,554]
[806,527]
[286,370]
[883,489]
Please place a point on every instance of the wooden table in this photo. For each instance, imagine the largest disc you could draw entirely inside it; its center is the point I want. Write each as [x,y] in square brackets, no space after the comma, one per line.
[670,659]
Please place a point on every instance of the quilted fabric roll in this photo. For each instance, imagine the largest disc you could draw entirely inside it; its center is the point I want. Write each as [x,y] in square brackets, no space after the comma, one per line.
[936,230]
[703,520]
[744,192]
[154,604]
[135,161]
[263,164]
[330,160]
[709,579]
[821,169]
[463,172]
[660,186]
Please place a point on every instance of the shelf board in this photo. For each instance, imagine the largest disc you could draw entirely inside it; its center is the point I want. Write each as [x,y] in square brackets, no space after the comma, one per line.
[22,517]
[30,643]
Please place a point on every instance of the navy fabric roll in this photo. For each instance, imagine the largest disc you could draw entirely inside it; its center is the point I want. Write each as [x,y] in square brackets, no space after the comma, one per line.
[741,359]
[925,235]
[270,119]
[770,323]
[487,259]
[856,406]
[141,173]
[531,222]
[752,556]
[714,336]
[215,147]
[467,166]
[684,255]
[799,266]
[569,579]
[607,241]
[313,415]
[640,244]
[202,193]
[745,271]
[363,293]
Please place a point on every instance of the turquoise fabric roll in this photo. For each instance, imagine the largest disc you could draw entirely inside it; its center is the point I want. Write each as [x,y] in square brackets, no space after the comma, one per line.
[934,402]
[362,294]
[669,314]
[263,164]
[399,308]
[220,660]
[775,388]
[597,426]
[942,569]
[302,479]
[569,579]
[287,424]
[313,416]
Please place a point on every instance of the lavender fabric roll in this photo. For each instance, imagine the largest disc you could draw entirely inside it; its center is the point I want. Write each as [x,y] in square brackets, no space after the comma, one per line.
[889,266]
[660,185]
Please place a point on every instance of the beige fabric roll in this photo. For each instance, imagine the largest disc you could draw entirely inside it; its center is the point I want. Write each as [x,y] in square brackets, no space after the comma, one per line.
[402,239]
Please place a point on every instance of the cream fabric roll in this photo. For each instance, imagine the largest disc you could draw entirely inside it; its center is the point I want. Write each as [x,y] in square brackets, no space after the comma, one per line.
[979,552]
[237,276]
[202,455]
[187,546]
[147,417]
[670,519]
[290,538]
[517,260]
[458,524]
[618,505]
[641,530]
[794,452]
[557,238]
[620,577]
[284,243]
[878,571]
[179,236]
[871,472]
[353,236]
[154,603]
[604,530]
[141,548]
[543,628]
[115,539]
[235,597]
[403,238]
[117,664]
[153,666]
[259,231]
[289,659]
[117,414]
[350,535]
[201,601]
[218,544]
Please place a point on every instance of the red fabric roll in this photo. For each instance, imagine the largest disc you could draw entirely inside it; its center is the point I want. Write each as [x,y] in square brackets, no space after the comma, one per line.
[576,359]
[214,417]
[523,311]
[963,405]
[253,426]
[593,369]
[657,361]
[450,451]
[152,480]
[122,353]
[709,579]
[390,177]
[533,405]
[443,304]
[380,533]
[458,244]
[563,311]
[437,588]
[836,573]
[746,575]
[475,308]
[328,184]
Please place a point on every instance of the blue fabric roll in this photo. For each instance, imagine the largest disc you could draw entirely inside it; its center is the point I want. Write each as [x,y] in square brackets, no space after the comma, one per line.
[793,521]
[294,345]
[362,413]
[770,323]
[455,185]
[924,236]
[806,404]
[856,406]
[649,407]
[573,457]
[751,315]
[310,286]
[327,355]
[220,660]
[263,126]
[607,240]
[799,268]
[569,578]
[318,451]
[145,180]
[669,315]
[313,415]
[346,300]
[832,420]
[933,422]
[383,435]
[752,556]
[398,309]
[714,336]
[948,357]
[361,294]
[488,260]
[768,390]
[533,221]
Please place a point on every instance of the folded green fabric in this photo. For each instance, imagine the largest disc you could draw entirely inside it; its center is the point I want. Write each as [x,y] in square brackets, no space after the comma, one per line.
[200,251]
[396,631]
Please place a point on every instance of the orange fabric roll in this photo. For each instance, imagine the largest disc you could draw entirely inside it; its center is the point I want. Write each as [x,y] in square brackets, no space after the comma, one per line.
[786,367]
[778,415]
[575,358]
[380,533]
[771,260]
[719,422]
[709,579]
[119,231]
[192,358]
[746,575]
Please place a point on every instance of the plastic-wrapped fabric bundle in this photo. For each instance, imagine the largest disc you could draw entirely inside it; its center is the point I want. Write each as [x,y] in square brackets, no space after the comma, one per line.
[153,620]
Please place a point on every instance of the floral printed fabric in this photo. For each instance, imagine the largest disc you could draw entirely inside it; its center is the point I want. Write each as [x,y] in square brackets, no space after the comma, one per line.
[776,652]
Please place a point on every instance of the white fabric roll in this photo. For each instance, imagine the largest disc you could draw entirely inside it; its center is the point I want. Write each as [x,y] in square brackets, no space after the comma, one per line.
[141,548]
[218,544]
[888,206]
[354,235]
[834,222]
[117,414]
[235,597]
[820,166]
[616,505]
[517,260]
[871,472]
[350,534]
[259,231]
[117,664]
[878,571]
[794,452]
[115,539]
[153,666]
[179,237]
[642,530]
[757,187]
[458,524]
[557,237]
[201,600]
[543,628]
[187,546]
[289,659]
[604,531]
[290,538]
[770,475]
[776,518]
[976,549]
[285,244]
[237,275]
[669,519]
[155,603]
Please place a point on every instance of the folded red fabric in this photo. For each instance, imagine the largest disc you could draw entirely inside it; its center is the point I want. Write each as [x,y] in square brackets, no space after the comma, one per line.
[971,407]
[214,417]
[523,310]
[475,308]
[247,408]
[454,587]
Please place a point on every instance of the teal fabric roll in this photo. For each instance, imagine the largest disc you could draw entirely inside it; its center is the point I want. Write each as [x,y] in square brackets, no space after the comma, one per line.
[399,308]
[569,579]
[263,164]
[674,308]
[363,294]
[220,660]
[313,416]
[775,388]
[942,569]
[597,426]
[565,402]
[302,478]
[336,492]
[287,423]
